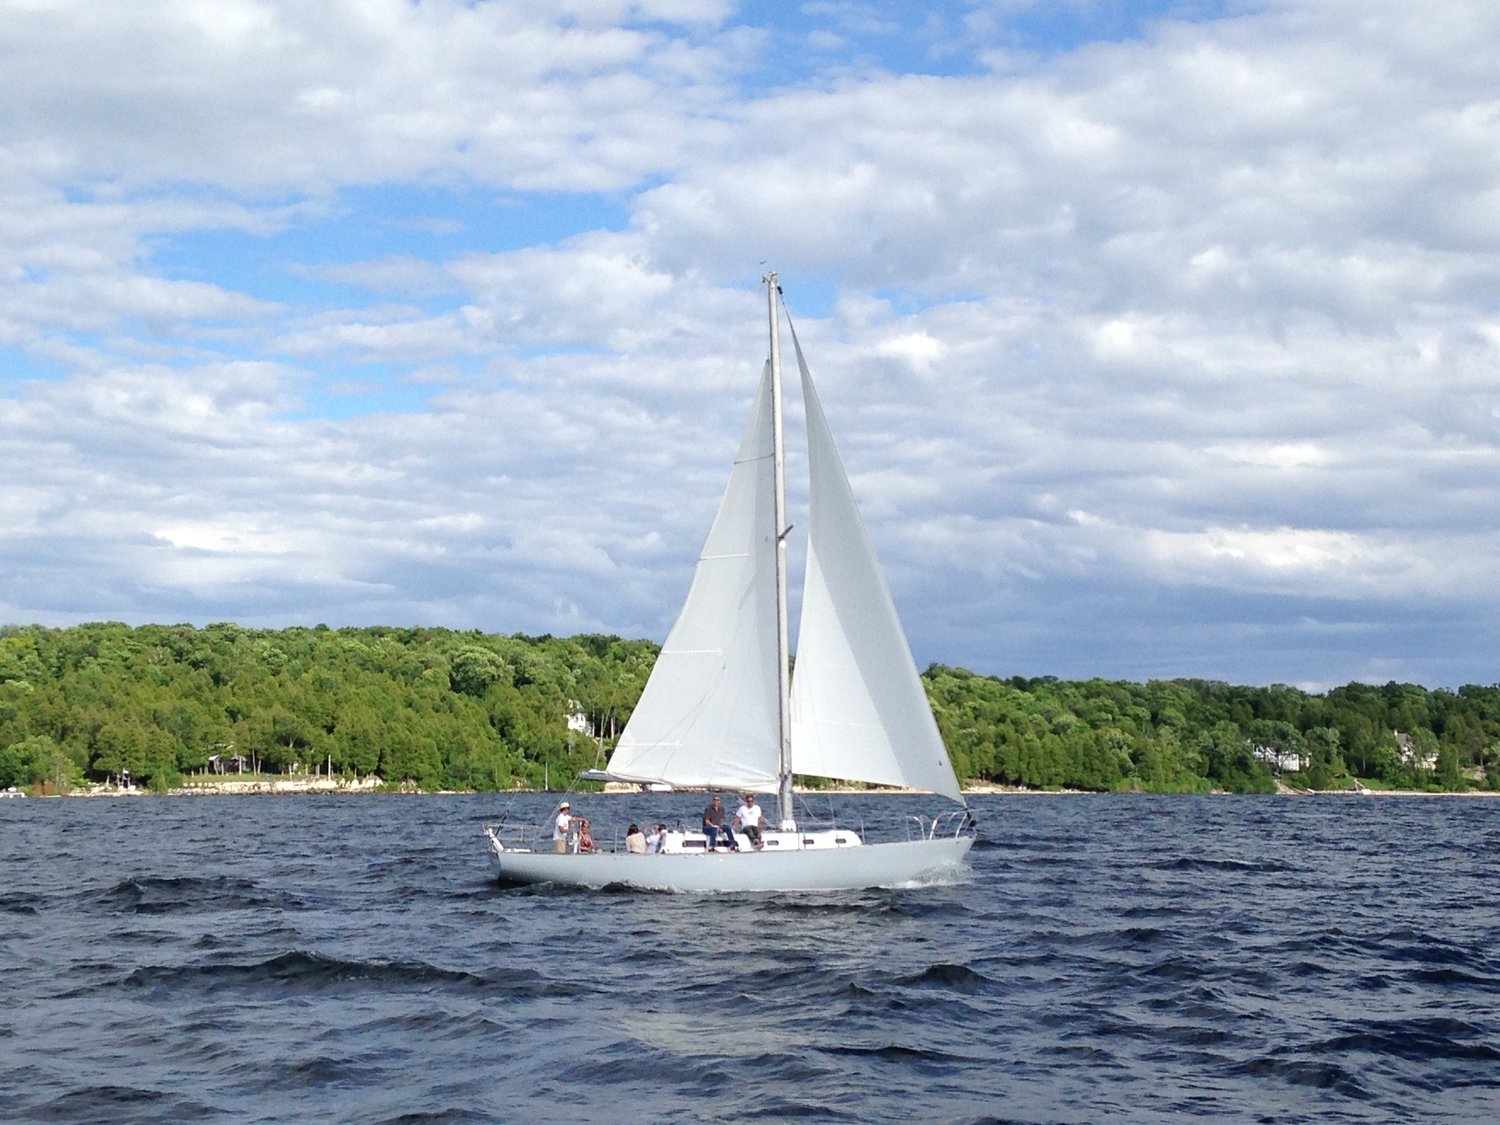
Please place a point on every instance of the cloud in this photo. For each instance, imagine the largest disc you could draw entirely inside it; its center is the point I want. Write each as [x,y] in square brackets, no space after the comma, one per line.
[263,97]
[1164,351]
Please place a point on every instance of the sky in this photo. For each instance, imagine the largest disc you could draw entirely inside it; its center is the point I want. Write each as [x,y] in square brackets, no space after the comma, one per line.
[1160,339]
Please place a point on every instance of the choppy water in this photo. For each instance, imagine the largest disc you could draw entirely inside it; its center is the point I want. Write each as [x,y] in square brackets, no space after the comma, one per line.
[1123,958]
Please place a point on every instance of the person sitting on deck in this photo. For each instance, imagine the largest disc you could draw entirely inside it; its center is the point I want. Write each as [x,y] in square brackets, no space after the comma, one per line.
[713,824]
[748,818]
[635,840]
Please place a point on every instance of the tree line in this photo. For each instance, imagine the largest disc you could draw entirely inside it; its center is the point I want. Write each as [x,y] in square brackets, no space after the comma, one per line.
[1189,735]
[446,709]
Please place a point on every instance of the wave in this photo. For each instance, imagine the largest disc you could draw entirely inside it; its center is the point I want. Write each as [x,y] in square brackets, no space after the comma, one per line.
[1205,863]
[1418,1040]
[960,978]
[21,902]
[891,1052]
[451,1116]
[1456,978]
[189,894]
[122,1105]
[300,972]
[1321,1075]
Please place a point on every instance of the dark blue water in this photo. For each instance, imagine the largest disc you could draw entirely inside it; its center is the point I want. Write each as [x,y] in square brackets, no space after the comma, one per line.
[1122,958]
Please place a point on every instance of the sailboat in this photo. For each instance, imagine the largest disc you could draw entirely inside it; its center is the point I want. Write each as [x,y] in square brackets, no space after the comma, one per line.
[722,709]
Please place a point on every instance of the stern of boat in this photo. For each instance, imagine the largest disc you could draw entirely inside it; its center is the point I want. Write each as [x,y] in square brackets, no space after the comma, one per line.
[956,824]
[494,833]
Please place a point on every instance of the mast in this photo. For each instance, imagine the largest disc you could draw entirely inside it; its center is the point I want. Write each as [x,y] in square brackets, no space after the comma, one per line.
[783,642]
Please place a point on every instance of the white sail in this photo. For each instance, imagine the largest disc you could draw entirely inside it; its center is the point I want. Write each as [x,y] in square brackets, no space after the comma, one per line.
[859,711]
[709,715]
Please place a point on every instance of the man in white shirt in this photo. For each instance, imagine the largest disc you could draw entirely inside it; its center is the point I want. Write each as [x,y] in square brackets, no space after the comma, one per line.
[561,827]
[656,839]
[748,818]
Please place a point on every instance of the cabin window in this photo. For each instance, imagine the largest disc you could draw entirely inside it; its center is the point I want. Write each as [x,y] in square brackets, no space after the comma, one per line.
[700,844]
[841,839]
[808,842]
[773,843]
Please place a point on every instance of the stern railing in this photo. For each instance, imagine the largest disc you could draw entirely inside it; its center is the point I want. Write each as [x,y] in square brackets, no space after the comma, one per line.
[945,825]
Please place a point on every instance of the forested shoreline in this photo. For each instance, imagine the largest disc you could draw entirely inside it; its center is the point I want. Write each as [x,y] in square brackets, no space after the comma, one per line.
[446,709]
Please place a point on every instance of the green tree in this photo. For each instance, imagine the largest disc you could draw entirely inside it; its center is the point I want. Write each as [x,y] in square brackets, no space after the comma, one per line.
[475,670]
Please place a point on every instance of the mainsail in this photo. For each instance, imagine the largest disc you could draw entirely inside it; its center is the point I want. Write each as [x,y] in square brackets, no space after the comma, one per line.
[709,715]
[859,711]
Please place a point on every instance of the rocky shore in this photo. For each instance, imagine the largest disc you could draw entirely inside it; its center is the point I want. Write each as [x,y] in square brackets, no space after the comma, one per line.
[240,786]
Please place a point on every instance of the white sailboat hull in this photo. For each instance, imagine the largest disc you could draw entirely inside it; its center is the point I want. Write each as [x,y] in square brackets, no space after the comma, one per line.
[896,864]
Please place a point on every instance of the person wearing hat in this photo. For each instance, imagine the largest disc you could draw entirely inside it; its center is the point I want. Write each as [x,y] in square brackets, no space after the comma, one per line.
[561,827]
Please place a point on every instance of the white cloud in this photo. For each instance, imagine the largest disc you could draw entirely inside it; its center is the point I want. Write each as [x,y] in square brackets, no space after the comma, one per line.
[1225,290]
[251,95]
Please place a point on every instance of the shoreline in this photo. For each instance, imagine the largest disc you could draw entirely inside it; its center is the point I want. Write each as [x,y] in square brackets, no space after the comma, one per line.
[261,786]
[294,786]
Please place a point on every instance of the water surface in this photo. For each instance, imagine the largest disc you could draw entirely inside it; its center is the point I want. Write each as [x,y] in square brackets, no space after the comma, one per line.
[1123,958]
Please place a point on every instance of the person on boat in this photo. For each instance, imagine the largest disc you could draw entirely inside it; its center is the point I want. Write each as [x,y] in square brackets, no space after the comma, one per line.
[635,840]
[713,824]
[585,835]
[656,839]
[562,827]
[748,818]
